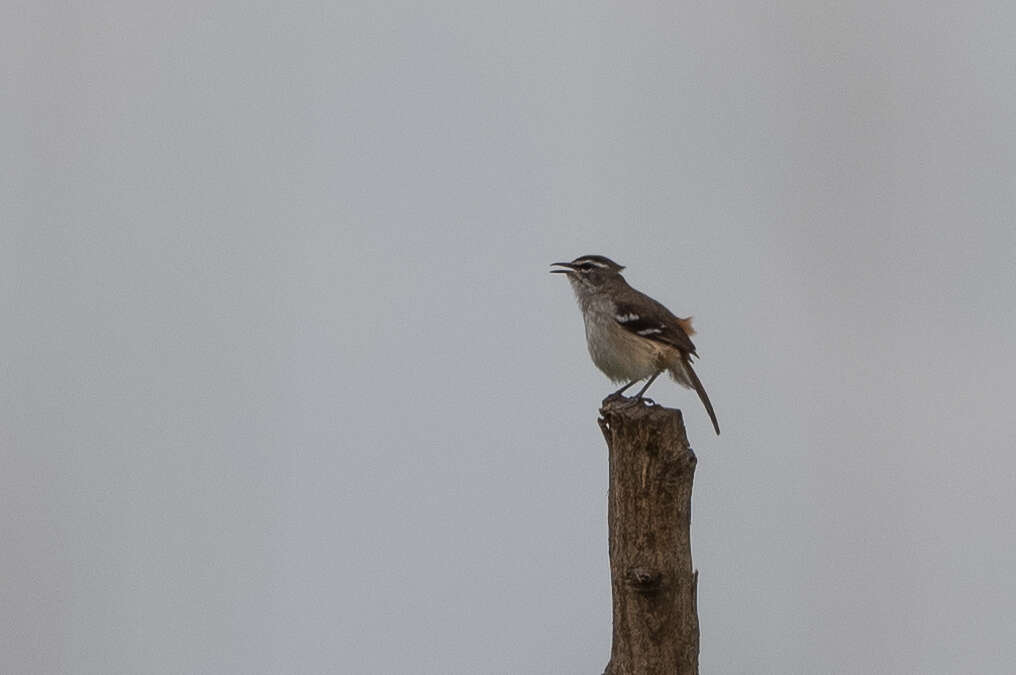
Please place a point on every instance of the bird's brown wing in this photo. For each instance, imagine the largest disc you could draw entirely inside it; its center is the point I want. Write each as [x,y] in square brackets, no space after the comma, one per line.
[659,325]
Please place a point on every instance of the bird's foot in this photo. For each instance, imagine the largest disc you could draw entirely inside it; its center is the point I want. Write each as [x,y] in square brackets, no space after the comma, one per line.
[623,401]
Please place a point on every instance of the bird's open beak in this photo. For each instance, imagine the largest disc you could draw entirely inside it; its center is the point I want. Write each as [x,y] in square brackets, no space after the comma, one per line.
[569,268]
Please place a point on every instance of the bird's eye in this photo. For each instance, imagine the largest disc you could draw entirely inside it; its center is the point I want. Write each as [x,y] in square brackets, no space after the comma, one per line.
[585,267]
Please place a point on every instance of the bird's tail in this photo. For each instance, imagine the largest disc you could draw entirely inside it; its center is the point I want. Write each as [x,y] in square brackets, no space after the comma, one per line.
[686,375]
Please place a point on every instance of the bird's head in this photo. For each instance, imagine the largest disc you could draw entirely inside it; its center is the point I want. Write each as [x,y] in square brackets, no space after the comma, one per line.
[589,273]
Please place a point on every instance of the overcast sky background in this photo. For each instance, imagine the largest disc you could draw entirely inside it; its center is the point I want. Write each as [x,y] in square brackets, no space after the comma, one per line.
[287,388]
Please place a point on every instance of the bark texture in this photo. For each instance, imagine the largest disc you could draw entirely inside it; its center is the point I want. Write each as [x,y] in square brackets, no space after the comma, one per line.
[652,467]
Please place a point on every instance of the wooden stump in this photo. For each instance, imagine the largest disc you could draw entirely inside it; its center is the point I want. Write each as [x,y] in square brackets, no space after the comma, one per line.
[652,468]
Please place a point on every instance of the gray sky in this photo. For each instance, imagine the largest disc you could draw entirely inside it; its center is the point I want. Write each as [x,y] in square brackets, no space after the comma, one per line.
[286,387]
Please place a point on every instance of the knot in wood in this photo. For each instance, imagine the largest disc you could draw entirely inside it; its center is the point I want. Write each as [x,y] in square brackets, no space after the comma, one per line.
[644,580]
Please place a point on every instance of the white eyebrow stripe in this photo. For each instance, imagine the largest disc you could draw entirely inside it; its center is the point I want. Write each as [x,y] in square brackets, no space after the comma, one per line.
[585,261]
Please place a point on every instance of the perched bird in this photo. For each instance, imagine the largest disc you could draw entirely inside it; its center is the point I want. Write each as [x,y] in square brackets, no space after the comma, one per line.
[630,336]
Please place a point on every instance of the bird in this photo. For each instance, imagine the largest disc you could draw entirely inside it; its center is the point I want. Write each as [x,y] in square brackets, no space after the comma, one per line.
[630,336]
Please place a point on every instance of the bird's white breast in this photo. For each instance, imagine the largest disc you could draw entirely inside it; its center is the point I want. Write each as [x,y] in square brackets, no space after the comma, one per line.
[621,356]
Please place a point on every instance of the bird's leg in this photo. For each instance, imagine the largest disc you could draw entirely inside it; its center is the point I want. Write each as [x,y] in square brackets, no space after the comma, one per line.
[621,391]
[643,389]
